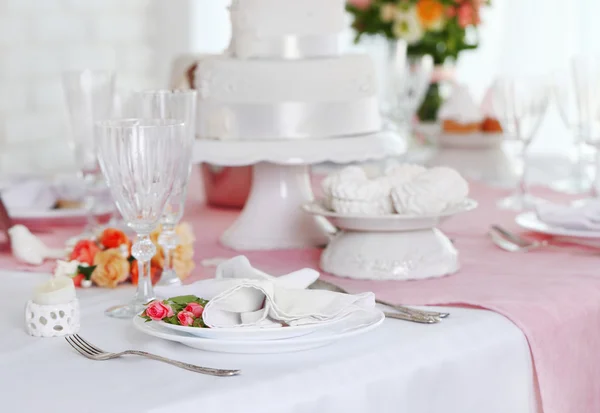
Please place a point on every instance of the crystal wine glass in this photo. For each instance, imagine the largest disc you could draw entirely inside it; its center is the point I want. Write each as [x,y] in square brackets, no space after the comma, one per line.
[521,104]
[410,81]
[586,79]
[565,96]
[89,95]
[181,105]
[140,160]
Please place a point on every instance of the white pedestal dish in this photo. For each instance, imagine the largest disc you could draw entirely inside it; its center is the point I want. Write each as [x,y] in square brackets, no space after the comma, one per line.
[272,217]
[390,247]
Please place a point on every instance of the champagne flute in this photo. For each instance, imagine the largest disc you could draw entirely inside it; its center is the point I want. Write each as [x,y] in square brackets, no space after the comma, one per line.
[521,104]
[89,95]
[140,160]
[181,105]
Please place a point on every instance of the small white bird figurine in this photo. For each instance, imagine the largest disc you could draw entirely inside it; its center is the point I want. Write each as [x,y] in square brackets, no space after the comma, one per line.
[29,249]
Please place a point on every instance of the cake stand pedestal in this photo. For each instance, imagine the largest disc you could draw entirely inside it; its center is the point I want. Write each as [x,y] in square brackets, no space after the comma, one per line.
[390,247]
[272,217]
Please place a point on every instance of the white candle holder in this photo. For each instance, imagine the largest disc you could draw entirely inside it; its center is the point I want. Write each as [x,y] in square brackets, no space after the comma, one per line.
[53,320]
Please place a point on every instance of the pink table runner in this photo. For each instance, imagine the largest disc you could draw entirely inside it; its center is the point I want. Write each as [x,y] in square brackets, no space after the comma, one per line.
[554,297]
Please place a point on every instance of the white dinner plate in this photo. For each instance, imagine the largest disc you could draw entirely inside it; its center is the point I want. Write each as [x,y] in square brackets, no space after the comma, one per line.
[353,325]
[530,221]
[470,140]
[56,215]
[249,333]
[386,223]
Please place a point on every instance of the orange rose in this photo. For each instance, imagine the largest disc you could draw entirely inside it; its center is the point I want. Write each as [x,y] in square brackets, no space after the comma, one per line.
[431,14]
[111,268]
[182,255]
[155,273]
[84,251]
[113,238]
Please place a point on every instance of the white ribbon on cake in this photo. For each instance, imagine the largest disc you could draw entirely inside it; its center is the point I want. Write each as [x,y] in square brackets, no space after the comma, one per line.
[289,120]
[285,47]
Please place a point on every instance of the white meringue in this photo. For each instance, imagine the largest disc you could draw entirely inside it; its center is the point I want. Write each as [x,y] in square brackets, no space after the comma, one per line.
[382,206]
[460,107]
[430,193]
[398,174]
[28,248]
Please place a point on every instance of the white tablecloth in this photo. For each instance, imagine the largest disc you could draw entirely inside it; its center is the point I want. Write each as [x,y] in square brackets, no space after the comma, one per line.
[474,362]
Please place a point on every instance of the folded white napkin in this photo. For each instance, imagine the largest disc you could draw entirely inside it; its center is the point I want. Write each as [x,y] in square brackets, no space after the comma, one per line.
[28,194]
[242,296]
[582,217]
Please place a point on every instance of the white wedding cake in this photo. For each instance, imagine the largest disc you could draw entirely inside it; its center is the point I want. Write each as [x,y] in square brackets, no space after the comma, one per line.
[284,77]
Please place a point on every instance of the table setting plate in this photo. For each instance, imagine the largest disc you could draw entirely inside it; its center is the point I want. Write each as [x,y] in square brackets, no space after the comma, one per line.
[386,223]
[531,222]
[56,214]
[355,324]
[250,333]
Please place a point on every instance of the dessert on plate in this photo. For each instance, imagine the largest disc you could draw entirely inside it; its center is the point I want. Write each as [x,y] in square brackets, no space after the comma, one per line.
[460,114]
[403,189]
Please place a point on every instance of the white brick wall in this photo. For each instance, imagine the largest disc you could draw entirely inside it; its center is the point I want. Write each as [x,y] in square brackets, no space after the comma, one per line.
[40,38]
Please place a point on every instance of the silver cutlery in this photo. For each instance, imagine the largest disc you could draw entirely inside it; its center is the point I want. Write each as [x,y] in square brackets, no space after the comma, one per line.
[512,242]
[404,313]
[92,352]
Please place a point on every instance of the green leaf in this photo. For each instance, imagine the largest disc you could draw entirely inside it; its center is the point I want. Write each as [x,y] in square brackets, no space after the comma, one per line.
[198,322]
[183,299]
[86,271]
[171,320]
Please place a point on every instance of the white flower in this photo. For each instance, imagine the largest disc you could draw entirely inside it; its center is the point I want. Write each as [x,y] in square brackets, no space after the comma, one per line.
[86,283]
[388,11]
[407,26]
[66,268]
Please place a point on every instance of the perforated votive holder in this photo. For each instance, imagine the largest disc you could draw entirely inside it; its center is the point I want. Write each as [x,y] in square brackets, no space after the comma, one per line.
[52,320]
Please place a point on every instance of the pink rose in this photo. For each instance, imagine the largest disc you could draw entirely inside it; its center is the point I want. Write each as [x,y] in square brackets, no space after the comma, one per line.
[186,318]
[360,4]
[195,309]
[157,310]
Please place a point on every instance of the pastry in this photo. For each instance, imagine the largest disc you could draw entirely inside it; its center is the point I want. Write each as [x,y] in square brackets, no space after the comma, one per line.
[430,193]
[460,114]
[490,122]
[400,173]
[67,204]
[351,191]
[491,125]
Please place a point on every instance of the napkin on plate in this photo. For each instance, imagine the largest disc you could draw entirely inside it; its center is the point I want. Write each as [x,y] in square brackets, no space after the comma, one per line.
[242,296]
[581,217]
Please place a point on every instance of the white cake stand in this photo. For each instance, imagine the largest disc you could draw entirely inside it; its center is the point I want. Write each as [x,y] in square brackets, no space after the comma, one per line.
[389,247]
[272,217]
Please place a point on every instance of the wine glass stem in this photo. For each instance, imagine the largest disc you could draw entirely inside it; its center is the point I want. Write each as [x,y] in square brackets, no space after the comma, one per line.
[522,184]
[90,206]
[167,265]
[145,291]
[596,184]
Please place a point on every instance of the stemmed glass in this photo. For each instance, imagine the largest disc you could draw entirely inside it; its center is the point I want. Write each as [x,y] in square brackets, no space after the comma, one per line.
[140,160]
[89,95]
[409,85]
[167,104]
[586,77]
[565,94]
[520,104]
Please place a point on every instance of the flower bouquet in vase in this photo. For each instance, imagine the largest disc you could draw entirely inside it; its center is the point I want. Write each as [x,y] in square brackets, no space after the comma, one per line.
[441,29]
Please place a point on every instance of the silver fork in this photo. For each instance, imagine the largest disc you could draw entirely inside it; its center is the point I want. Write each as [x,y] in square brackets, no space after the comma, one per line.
[92,352]
[406,313]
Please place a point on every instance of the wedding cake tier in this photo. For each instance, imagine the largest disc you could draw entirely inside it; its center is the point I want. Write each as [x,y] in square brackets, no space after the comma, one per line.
[286,99]
[290,29]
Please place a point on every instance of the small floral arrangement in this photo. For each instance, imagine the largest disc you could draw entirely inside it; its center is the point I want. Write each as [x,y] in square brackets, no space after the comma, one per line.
[185,310]
[440,28]
[106,260]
